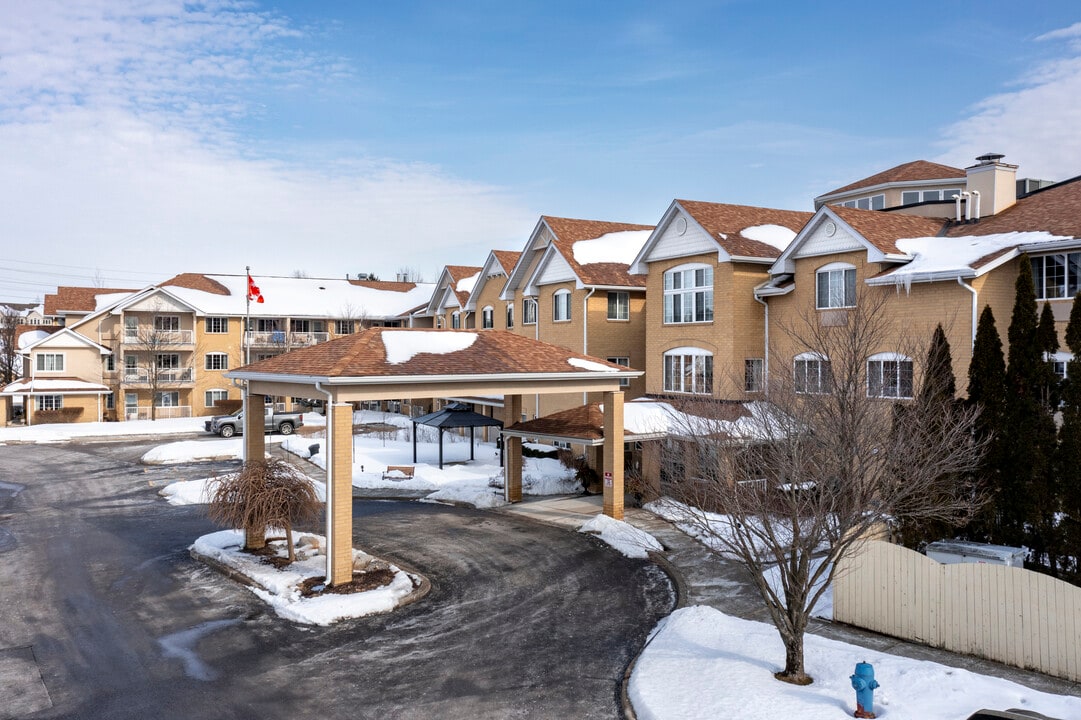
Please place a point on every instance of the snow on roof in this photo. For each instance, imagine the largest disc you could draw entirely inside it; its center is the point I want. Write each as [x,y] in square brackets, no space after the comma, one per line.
[298,297]
[402,346]
[38,385]
[939,256]
[32,336]
[776,235]
[467,284]
[617,247]
[105,300]
[590,365]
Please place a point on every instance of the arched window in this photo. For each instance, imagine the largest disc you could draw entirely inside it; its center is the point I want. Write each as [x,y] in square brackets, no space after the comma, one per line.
[688,294]
[835,286]
[487,318]
[812,374]
[510,315]
[688,370]
[455,320]
[561,306]
[889,375]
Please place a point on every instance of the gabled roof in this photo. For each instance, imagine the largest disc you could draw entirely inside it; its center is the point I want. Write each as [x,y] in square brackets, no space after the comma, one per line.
[426,355]
[54,386]
[455,281]
[64,333]
[915,171]
[882,230]
[498,265]
[77,299]
[195,281]
[507,259]
[1055,209]
[28,334]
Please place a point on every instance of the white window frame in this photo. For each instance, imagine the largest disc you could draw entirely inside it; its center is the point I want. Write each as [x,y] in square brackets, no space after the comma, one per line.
[456,320]
[217,361]
[754,374]
[217,393]
[561,306]
[159,398]
[48,402]
[50,362]
[109,362]
[164,323]
[344,327]
[811,374]
[216,325]
[619,305]
[688,294]
[625,362]
[1056,286]
[162,363]
[510,315]
[840,279]
[529,311]
[487,318]
[688,370]
[889,376]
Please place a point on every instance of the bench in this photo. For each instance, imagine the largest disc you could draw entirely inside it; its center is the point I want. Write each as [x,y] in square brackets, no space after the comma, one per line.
[398,472]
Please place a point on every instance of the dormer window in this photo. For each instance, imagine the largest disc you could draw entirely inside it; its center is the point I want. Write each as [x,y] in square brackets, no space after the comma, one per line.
[835,286]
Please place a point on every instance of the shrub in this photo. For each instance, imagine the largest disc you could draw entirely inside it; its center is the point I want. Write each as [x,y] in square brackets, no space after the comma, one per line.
[60,415]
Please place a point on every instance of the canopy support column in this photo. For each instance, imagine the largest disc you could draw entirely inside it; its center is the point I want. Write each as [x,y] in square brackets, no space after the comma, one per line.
[512,450]
[340,499]
[613,454]
[254,451]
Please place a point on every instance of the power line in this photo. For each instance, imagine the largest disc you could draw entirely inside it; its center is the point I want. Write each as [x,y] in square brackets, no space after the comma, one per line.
[83,267]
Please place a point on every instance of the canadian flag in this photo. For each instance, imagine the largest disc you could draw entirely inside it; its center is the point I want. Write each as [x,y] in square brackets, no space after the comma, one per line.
[253,291]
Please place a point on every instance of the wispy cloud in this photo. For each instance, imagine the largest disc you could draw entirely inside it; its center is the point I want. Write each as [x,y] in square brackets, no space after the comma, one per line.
[1035,125]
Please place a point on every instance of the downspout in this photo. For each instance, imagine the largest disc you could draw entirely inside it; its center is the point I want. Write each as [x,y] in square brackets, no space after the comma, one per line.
[765,350]
[329,480]
[585,334]
[973,291]
[536,336]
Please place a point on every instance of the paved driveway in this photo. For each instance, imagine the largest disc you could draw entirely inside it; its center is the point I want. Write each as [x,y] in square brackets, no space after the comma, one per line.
[104,615]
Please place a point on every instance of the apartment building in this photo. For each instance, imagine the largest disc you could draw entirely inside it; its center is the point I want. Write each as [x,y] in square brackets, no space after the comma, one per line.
[447,304]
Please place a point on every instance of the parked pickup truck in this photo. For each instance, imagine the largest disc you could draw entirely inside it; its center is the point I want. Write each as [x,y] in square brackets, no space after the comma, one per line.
[230,425]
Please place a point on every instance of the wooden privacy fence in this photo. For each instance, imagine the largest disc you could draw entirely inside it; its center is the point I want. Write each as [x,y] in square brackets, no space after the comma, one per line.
[1007,614]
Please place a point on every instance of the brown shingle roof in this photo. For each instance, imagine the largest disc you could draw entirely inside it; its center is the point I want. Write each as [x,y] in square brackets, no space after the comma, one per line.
[391,285]
[77,299]
[725,222]
[883,230]
[585,422]
[364,355]
[1055,209]
[568,231]
[507,259]
[458,273]
[906,172]
[196,281]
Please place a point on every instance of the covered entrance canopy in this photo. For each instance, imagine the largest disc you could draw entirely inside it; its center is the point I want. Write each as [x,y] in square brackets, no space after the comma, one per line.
[453,416]
[382,363]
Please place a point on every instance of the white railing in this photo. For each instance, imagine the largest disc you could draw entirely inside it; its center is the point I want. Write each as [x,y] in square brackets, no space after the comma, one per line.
[280,338]
[152,339]
[161,413]
[144,376]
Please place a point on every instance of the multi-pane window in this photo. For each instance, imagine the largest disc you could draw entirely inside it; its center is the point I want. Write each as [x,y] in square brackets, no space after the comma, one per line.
[217,361]
[561,305]
[217,325]
[835,287]
[167,399]
[213,396]
[50,362]
[752,374]
[168,361]
[456,320]
[874,202]
[688,370]
[510,315]
[266,324]
[300,325]
[909,197]
[889,376]
[50,402]
[343,327]
[529,311]
[812,375]
[619,305]
[1057,276]
[170,323]
[688,295]
[110,402]
[487,318]
[625,362]
[110,363]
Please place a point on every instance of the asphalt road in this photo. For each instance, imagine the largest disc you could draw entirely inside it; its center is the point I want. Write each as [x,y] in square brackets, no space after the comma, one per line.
[104,615]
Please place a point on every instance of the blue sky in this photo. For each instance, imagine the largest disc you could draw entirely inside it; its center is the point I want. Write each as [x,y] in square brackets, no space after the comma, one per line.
[151,137]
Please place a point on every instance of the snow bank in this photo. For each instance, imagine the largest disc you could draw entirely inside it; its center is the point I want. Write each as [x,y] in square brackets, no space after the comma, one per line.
[624,537]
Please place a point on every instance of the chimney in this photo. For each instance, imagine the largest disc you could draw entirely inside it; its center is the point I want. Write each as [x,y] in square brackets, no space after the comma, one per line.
[995,181]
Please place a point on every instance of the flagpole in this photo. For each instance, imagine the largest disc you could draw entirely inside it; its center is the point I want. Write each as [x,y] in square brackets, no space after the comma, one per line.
[247,315]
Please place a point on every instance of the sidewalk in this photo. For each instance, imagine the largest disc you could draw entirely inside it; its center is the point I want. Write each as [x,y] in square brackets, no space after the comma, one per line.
[704,578]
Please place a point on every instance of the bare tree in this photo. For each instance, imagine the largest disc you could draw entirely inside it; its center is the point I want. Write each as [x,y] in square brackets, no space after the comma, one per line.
[266,493]
[409,274]
[163,356]
[9,351]
[838,448]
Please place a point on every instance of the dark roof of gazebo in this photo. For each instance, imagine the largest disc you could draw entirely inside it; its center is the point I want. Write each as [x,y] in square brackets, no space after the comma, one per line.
[456,415]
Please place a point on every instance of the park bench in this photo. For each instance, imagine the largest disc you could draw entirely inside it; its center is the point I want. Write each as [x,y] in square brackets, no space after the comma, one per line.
[398,472]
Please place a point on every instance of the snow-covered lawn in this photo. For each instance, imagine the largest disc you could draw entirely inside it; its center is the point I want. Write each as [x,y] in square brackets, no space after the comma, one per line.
[281,588]
[61,432]
[622,536]
[701,663]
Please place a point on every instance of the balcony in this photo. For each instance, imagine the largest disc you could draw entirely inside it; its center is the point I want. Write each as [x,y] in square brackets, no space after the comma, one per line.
[163,412]
[142,376]
[282,339]
[154,339]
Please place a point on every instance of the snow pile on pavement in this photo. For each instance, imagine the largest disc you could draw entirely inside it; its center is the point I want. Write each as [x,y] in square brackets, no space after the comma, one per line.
[701,663]
[62,432]
[624,537]
[199,492]
[195,451]
[280,588]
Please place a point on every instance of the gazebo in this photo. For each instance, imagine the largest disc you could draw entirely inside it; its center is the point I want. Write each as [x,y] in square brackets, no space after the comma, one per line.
[452,417]
[384,363]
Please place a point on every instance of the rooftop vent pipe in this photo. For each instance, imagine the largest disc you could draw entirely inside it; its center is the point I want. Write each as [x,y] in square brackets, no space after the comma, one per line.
[989,158]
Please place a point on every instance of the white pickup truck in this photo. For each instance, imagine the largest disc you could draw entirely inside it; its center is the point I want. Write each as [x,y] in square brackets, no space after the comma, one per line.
[230,425]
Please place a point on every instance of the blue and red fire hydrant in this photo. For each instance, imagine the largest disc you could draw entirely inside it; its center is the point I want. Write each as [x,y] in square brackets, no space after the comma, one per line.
[864,683]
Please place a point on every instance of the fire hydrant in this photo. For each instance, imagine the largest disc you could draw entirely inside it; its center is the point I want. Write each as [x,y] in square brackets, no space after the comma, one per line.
[864,683]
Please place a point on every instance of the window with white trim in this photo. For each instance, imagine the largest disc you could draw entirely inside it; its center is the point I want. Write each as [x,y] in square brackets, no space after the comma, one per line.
[688,294]
[170,323]
[625,362]
[753,372]
[50,362]
[1057,275]
[688,370]
[216,325]
[110,363]
[873,202]
[487,318]
[170,398]
[49,402]
[217,361]
[561,306]
[910,197]
[529,311]
[213,396]
[889,375]
[456,320]
[812,374]
[835,286]
[343,327]
[510,315]
[619,305]
[168,361]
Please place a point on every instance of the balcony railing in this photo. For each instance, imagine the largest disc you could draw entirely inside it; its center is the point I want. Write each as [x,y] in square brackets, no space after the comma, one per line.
[165,412]
[282,339]
[149,338]
[142,376]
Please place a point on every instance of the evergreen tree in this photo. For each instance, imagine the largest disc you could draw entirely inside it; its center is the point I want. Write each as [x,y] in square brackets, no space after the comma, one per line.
[1048,339]
[987,390]
[1068,453]
[939,383]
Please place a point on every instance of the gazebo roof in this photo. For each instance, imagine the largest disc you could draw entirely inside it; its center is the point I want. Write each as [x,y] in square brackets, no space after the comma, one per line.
[456,415]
